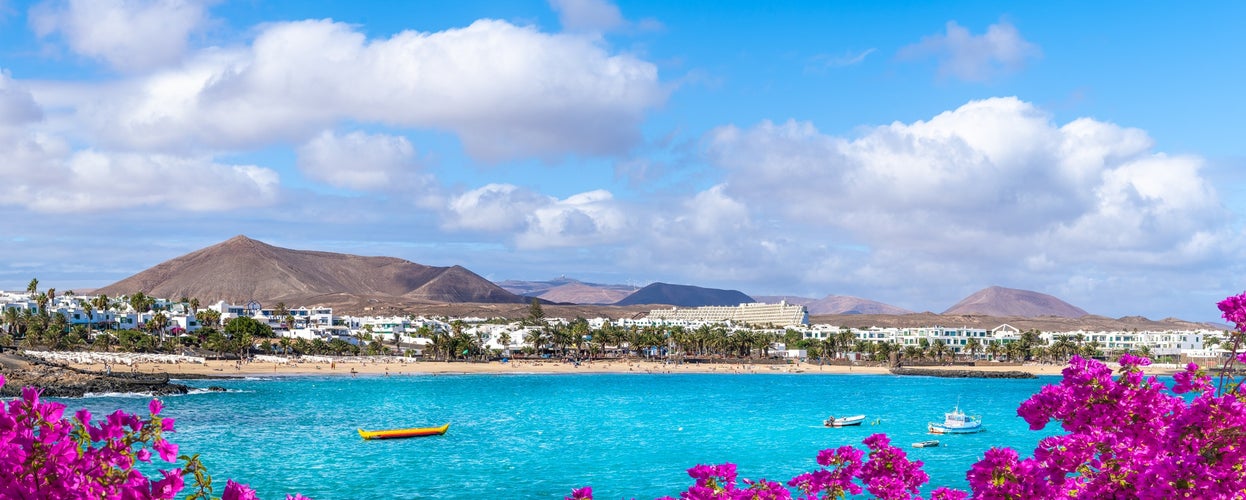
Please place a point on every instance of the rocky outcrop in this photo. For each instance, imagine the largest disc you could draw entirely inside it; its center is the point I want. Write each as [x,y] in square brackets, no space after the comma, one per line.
[56,380]
[940,372]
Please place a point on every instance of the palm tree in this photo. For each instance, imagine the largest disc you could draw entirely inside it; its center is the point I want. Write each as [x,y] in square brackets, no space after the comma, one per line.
[505,340]
[846,339]
[89,309]
[101,304]
[280,311]
[993,350]
[973,346]
[157,325]
[537,338]
[938,348]
[11,316]
[884,350]
[33,287]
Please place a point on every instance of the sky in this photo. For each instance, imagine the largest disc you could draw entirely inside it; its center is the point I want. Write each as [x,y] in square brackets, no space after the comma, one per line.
[906,152]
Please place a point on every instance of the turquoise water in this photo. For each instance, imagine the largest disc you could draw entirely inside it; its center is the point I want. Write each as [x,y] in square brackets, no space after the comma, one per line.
[539,436]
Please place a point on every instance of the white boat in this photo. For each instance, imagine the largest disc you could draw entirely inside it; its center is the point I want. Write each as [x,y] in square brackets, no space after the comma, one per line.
[956,422]
[844,421]
[926,444]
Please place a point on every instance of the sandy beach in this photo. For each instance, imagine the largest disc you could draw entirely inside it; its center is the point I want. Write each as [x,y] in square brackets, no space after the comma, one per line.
[367,366]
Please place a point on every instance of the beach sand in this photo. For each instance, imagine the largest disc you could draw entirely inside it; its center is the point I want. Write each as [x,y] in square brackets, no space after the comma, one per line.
[367,366]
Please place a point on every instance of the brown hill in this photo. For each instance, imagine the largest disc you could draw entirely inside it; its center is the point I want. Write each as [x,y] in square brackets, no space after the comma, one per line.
[569,291]
[684,296]
[1000,301]
[241,269]
[843,304]
[790,299]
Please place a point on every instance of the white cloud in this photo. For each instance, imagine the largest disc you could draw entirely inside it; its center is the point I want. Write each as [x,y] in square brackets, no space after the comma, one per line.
[536,221]
[127,34]
[368,162]
[17,106]
[506,91]
[975,58]
[493,208]
[43,175]
[585,219]
[974,193]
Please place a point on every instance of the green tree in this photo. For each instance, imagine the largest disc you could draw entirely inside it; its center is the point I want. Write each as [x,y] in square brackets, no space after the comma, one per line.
[244,325]
[536,315]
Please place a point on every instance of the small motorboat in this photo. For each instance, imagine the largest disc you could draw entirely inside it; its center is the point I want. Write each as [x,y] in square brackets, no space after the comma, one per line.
[844,421]
[926,444]
[404,433]
[956,422]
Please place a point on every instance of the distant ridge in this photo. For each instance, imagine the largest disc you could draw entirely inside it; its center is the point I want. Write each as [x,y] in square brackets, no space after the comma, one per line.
[1000,301]
[684,296]
[241,269]
[569,291]
[843,304]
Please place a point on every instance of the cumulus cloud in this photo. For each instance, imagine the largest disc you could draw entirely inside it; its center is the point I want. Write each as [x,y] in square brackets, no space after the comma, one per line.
[44,175]
[506,91]
[968,57]
[127,34]
[536,221]
[494,208]
[976,192]
[585,219]
[17,106]
[361,161]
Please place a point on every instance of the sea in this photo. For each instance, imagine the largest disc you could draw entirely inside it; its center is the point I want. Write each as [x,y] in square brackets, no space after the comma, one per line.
[542,435]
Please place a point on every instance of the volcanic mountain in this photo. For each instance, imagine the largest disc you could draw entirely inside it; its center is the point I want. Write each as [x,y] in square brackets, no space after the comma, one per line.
[843,304]
[684,296]
[241,269]
[1000,301]
[569,291]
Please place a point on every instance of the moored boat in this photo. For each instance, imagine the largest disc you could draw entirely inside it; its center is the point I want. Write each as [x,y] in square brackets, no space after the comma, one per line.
[844,421]
[931,443]
[404,433]
[956,422]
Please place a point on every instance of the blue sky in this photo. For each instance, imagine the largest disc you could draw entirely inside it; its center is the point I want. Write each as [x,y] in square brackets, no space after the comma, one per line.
[906,153]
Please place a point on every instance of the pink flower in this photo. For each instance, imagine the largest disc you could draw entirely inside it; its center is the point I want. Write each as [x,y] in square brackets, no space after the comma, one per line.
[237,491]
[169,486]
[1234,310]
[155,406]
[167,450]
[585,493]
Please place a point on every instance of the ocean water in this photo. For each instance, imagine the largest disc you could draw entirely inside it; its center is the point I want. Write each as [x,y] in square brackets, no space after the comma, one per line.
[539,436]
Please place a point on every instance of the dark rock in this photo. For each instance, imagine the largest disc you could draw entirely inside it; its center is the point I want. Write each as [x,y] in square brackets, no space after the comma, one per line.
[936,372]
[60,381]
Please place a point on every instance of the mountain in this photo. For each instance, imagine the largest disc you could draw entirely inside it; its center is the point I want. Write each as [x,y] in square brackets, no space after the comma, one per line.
[790,299]
[843,304]
[684,296]
[1000,301]
[569,291]
[241,269]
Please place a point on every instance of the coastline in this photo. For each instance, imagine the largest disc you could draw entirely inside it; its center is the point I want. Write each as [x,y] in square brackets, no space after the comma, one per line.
[367,366]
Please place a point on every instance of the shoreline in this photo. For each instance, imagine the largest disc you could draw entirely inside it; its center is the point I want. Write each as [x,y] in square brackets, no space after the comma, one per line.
[347,366]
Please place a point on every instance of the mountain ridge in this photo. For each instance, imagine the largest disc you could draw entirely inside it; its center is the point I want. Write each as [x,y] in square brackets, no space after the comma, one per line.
[684,296]
[1000,301]
[242,269]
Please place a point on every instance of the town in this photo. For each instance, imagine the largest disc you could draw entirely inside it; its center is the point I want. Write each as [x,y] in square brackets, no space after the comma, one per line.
[140,323]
